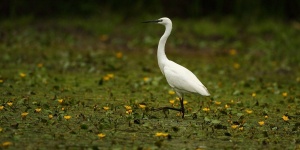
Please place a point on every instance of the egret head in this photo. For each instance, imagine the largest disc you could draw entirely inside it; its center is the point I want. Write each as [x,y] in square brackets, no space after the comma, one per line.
[163,21]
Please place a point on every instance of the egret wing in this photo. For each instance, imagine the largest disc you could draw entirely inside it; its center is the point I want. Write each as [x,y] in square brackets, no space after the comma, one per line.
[183,80]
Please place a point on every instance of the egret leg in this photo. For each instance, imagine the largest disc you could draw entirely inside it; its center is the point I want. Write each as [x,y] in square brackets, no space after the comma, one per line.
[182,110]
[182,106]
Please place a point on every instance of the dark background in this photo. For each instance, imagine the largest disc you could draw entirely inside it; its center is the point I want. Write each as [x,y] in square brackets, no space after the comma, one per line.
[239,9]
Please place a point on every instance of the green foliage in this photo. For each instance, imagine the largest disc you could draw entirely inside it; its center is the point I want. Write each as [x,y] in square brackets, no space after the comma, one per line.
[92,85]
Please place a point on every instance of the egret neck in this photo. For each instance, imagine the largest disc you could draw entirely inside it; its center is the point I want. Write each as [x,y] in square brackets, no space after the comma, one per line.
[161,55]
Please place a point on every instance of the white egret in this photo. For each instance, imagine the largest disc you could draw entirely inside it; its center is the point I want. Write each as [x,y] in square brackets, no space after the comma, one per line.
[178,77]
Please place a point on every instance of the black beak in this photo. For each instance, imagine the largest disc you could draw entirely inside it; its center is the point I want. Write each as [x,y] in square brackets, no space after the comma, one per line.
[152,21]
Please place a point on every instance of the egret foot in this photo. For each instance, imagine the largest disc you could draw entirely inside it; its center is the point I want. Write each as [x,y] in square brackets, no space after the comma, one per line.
[172,108]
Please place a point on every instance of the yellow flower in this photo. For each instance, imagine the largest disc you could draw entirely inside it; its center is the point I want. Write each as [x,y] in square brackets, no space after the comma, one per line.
[128,111]
[38,110]
[142,106]
[106,78]
[206,109]
[159,134]
[236,66]
[285,118]
[253,94]
[127,107]
[1,107]
[266,116]
[227,106]
[50,116]
[217,103]
[146,79]
[9,103]
[284,94]
[110,75]
[171,92]
[6,144]
[24,114]
[261,123]
[63,108]
[101,135]
[249,111]
[241,128]
[119,54]
[106,108]
[67,117]
[172,101]
[1,81]
[40,65]
[60,101]
[232,52]
[234,126]
[185,102]
[22,75]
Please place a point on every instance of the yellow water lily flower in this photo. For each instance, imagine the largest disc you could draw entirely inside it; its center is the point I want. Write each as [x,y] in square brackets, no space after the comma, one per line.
[249,111]
[161,134]
[285,118]
[171,92]
[106,78]
[142,106]
[24,114]
[110,75]
[234,126]
[9,103]
[261,123]
[185,102]
[172,101]
[67,117]
[22,75]
[206,109]
[284,94]
[106,108]
[38,110]
[101,135]
[128,111]
[217,103]
[60,101]
[6,144]
[127,107]
[146,79]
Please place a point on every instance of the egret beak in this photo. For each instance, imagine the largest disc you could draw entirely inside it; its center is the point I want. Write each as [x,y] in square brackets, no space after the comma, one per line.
[152,21]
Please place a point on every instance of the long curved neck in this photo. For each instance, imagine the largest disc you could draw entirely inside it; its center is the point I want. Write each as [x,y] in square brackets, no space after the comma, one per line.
[161,55]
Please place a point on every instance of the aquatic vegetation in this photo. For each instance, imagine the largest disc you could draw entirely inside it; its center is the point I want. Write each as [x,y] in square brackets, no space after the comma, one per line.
[76,89]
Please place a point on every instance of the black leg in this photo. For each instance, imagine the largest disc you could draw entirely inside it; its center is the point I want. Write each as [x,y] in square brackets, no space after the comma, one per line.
[182,106]
[172,108]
